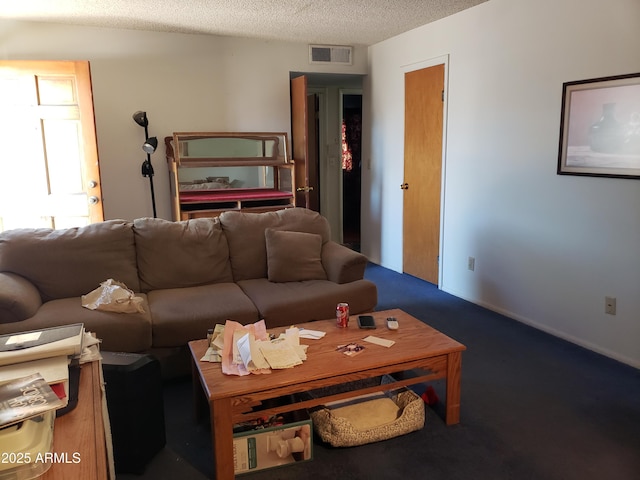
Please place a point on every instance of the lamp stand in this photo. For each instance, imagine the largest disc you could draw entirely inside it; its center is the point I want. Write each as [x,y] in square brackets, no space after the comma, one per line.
[149,147]
[147,171]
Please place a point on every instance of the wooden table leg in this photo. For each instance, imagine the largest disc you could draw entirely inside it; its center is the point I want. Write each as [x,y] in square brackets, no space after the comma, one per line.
[222,438]
[454,369]
[199,398]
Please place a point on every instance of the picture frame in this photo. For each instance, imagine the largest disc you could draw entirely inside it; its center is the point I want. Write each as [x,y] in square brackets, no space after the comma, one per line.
[600,127]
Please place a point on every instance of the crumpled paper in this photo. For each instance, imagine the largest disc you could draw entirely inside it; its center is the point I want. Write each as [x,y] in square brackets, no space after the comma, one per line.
[113,296]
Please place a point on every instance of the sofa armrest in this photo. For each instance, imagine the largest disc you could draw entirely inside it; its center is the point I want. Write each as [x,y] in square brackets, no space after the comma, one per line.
[19,298]
[342,264]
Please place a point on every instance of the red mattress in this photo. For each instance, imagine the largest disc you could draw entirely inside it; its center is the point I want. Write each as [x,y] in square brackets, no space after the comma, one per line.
[231,195]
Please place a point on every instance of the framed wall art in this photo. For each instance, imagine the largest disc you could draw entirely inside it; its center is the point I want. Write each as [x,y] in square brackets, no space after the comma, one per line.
[600,127]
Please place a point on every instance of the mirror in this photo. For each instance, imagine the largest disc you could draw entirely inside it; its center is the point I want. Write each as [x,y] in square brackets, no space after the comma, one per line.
[214,178]
[216,149]
[221,161]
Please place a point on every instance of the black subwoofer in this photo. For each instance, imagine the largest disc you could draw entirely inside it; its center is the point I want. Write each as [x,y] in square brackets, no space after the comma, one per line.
[133,385]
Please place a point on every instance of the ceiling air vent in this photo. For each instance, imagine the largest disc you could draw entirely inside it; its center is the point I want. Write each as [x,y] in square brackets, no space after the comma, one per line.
[334,54]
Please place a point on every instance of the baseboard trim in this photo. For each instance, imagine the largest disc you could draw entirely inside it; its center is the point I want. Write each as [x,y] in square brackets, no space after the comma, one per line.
[552,331]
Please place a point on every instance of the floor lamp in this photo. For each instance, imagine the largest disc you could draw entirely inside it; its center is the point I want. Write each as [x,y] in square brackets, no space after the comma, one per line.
[149,146]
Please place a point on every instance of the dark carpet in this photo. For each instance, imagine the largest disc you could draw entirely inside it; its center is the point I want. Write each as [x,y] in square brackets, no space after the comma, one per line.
[533,407]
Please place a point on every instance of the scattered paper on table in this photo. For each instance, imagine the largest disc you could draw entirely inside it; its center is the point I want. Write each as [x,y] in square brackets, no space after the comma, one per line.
[216,345]
[292,336]
[217,339]
[280,354]
[245,349]
[250,352]
[311,334]
[233,331]
[212,355]
[383,342]
[236,358]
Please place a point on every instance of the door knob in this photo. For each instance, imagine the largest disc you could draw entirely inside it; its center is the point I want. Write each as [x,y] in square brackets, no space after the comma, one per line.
[93,200]
[404,186]
[304,189]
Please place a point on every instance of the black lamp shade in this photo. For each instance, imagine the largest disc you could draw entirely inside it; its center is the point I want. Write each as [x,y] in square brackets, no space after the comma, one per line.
[150,145]
[141,118]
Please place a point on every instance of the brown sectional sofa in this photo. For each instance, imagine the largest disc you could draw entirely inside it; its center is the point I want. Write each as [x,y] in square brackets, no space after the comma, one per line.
[280,266]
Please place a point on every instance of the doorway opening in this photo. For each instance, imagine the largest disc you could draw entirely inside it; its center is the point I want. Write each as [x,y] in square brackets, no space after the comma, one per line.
[351,162]
[335,93]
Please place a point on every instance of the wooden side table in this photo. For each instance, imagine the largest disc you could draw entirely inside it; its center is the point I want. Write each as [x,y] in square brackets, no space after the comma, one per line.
[79,437]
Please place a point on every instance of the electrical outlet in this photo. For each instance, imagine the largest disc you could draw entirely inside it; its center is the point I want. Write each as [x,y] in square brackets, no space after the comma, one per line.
[471,263]
[610,305]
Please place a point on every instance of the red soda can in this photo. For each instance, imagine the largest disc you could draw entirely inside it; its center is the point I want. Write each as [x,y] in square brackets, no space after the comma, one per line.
[342,315]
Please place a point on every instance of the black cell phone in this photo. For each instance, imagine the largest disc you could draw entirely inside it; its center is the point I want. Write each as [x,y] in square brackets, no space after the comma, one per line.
[366,321]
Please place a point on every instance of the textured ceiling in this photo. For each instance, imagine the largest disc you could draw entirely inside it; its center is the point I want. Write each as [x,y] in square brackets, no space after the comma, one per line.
[336,22]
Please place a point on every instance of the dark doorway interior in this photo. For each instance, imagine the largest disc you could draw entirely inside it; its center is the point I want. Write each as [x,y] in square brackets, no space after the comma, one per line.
[351,169]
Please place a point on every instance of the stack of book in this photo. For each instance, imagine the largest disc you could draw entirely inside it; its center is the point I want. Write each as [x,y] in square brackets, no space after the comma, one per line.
[48,352]
[38,378]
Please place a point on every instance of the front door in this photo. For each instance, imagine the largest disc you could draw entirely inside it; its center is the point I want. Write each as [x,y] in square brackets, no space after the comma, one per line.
[49,172]
[304,137]
[424,94]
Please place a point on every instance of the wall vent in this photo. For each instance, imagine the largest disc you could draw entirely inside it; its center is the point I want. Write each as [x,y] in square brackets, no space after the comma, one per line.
[334,54]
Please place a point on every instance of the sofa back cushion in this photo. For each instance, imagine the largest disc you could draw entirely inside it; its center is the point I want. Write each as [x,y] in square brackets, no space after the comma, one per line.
[293,256]
[71,262]
[180,254]
[245,233]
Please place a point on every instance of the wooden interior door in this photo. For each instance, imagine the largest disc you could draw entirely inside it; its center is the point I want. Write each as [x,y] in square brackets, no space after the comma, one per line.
[304,138]
[424,94]
[49,171]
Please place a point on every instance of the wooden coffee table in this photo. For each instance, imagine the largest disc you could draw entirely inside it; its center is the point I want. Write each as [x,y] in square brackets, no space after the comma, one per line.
[420,349]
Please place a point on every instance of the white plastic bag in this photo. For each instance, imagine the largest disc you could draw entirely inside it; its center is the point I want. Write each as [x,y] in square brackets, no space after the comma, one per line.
[113,296]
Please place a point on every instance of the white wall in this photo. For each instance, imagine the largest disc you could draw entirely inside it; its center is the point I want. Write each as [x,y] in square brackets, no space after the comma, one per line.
[183,82]
[548,248]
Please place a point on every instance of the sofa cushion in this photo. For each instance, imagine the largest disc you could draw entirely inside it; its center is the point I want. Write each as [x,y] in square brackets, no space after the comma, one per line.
[293,256]
[246,236]
[71,262]
[19,298]
[180,254]
[119,332]
[184,314]
[282,304]
[342,264]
